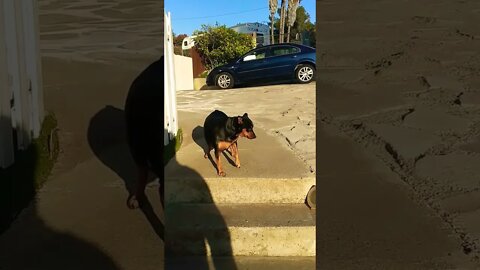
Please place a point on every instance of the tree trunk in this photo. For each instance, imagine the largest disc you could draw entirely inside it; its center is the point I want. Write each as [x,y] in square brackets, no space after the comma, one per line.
[273,28]
[288,34]
[291,15]
[282,21]
[273,6]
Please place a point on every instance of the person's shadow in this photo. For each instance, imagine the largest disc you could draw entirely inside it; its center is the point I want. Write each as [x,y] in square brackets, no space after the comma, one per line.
[107,139]
[28,242]
[205,231]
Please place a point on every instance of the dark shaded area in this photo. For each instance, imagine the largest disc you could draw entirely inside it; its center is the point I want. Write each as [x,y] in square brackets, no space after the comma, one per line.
[198,137]
[19,182]
[17,186]
[30,243]
[107,139]
[221,251]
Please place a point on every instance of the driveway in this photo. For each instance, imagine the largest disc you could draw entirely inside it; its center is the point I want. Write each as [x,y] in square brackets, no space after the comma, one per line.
[285,111]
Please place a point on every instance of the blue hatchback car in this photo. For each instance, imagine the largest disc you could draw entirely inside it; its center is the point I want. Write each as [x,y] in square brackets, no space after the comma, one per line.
[278,62]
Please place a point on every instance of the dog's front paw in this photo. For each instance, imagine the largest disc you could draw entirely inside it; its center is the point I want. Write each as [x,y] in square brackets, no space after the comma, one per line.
[237,165]
[135,201]
[222,174]
[205,156]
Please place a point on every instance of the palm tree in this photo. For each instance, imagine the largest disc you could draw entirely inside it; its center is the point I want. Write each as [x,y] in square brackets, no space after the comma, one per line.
[292,15]
[273,4]
[283,12]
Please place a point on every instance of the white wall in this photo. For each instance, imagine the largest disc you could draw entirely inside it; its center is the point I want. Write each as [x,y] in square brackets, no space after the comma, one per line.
[20,77]
[6,136]
[183,72]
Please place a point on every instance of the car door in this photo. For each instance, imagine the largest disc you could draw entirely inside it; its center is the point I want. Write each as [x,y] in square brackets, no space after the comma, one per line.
[253,65]
[283,60]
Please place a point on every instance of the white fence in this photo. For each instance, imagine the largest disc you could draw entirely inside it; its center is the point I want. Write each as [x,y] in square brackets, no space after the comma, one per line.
[21,93]
[170,99]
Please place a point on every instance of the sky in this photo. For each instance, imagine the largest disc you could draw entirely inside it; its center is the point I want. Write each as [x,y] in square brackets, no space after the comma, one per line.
[189,15]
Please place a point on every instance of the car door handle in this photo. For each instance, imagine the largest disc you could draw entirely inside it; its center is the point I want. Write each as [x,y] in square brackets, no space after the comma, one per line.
[294,56]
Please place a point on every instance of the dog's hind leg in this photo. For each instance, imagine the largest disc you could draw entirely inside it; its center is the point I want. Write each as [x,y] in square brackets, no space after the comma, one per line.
[207,151]
[135,200]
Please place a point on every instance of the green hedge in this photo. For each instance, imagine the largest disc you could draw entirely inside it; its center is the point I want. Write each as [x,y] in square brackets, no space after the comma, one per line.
[172,147]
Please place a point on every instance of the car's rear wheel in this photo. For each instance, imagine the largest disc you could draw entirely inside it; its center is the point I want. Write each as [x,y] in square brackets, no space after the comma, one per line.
[305,73]
[224,80]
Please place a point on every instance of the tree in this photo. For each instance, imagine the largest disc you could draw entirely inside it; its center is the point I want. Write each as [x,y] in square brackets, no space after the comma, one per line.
[218,45]
[273,4]
[177,43]
[292,15]
[282,21]
[303,27]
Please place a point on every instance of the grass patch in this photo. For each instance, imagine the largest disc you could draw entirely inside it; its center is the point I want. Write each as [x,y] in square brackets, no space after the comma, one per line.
[32,167]
[172,147]
[204,74]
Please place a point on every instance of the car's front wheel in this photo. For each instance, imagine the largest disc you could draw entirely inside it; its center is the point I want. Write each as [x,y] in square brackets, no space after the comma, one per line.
[305,73]
[224,80]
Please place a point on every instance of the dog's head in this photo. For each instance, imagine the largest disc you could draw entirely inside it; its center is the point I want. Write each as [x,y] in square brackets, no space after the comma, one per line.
[246,126]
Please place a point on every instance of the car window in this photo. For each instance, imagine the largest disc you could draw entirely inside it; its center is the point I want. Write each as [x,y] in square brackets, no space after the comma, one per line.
[283,50]
[255,55]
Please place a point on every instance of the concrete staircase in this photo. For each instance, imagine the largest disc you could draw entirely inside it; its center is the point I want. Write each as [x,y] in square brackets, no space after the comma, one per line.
[271,226]
[255,218]
[248,227]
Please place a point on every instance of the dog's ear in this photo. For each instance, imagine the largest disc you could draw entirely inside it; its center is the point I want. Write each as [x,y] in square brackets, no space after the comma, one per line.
[240,120]
[245,115]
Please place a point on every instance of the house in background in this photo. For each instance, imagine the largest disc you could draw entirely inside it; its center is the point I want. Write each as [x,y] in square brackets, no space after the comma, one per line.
[260,32]
[198,68]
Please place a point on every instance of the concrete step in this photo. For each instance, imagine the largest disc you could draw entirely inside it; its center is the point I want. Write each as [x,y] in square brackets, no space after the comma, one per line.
[240,263]
[237,190]
[240,230]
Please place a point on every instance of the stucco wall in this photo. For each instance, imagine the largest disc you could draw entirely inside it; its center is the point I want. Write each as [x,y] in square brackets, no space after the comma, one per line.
[183,72]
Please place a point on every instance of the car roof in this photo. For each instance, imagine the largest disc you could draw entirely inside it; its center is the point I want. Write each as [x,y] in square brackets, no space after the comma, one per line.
[283,44]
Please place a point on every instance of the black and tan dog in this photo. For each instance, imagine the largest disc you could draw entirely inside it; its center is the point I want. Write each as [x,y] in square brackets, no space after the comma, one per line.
[143,112]
[222,132]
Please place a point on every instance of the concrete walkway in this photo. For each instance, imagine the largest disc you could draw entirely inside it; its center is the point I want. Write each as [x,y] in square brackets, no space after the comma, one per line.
[401,80]
[369,219]
[263,157]
[79,219]
[254,218]
[92,51]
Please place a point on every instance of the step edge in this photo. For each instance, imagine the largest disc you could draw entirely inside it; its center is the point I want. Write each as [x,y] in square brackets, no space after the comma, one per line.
[241,178]
[239,228]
